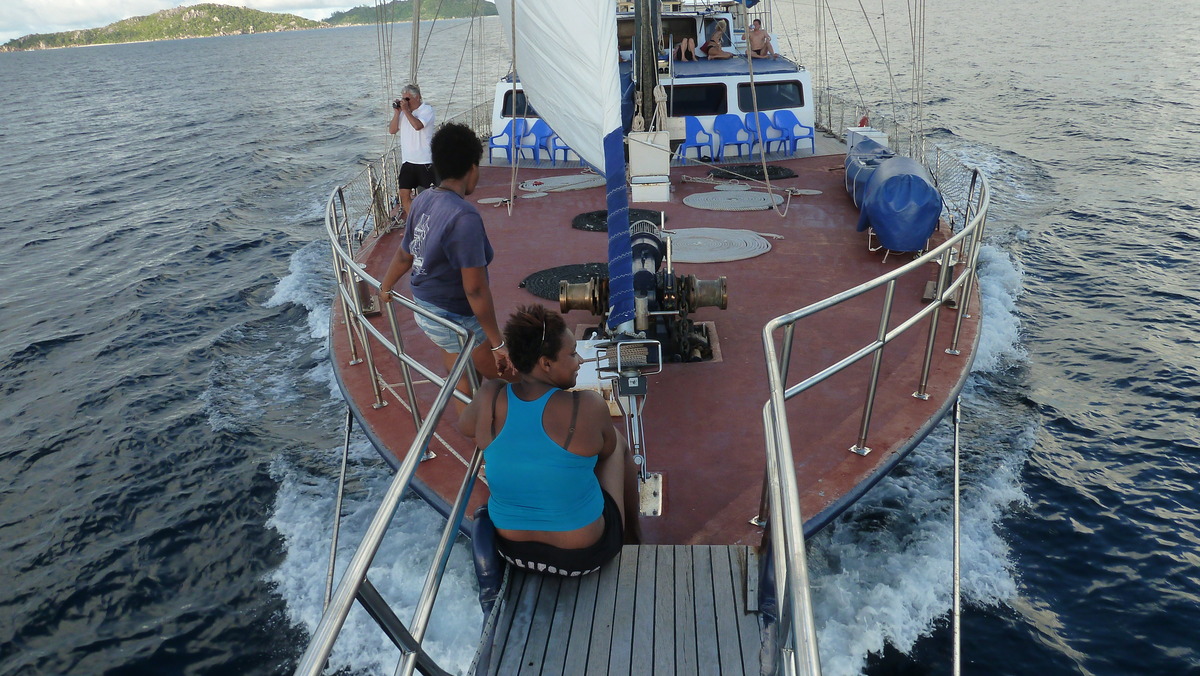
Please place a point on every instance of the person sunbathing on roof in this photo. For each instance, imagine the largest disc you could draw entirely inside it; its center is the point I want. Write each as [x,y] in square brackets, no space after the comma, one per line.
[686,50]
[713,49]
[760,42]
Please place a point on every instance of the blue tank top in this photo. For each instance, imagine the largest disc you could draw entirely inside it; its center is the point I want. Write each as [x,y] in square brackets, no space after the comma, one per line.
[536,484]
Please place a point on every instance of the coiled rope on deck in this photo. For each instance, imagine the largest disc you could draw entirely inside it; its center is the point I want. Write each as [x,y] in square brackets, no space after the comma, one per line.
[716,245]
[748,200]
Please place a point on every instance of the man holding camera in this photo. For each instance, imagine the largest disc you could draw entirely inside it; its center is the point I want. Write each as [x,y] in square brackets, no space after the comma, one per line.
[414,120]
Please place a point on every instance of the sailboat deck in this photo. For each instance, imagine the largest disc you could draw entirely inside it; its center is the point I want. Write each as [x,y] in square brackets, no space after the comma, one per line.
[703,421]
[652,610]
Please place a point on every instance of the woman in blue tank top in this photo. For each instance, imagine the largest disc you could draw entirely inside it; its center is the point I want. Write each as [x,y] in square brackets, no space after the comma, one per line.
[561,488]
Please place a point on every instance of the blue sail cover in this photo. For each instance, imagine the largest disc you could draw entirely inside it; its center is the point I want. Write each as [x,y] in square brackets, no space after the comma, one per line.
[900,204]
[565,52]
[861,162]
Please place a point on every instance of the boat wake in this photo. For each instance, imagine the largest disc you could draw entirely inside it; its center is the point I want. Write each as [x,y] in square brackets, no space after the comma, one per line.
[882,573]
[304,506]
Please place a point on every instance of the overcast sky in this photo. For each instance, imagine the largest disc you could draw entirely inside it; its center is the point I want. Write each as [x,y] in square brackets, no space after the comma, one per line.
[22,17]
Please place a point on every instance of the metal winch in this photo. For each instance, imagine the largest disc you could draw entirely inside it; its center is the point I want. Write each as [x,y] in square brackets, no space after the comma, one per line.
[662,300]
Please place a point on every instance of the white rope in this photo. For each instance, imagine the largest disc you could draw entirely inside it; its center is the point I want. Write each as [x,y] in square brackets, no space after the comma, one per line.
[733,201]
[563,183]
[716,245]
[512,141]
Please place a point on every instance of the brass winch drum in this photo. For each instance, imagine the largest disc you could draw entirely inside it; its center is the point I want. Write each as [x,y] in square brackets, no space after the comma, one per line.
[707,292]
[591,295]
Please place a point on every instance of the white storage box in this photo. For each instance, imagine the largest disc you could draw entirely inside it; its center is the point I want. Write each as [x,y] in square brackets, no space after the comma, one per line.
[650,189]
[856,134]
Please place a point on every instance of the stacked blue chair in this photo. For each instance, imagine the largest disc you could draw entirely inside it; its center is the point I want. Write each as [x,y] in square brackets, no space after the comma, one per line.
[513,132]
[556,144]
[759,126]
[729,130]
[541,133]
[693,130]
[785,121]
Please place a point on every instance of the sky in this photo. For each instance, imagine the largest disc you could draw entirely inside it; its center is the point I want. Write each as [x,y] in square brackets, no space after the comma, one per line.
[22,17]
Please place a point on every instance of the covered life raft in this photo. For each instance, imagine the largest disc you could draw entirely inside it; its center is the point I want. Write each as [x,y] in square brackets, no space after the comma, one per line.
[895,196]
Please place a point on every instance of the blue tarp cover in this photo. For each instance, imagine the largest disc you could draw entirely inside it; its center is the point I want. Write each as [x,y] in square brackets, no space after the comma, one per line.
[861,162]
[900,204]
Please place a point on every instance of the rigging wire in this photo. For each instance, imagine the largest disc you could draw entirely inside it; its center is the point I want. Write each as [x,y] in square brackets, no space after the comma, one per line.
[466,51]
[883,52]
[384,27]
[853,77]
[512,181]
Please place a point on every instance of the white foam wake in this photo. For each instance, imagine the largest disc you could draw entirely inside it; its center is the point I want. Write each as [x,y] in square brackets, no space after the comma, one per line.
[882,573]
[304,517]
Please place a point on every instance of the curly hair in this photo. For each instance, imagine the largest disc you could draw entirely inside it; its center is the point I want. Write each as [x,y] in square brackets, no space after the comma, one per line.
[455,149]
[533,332]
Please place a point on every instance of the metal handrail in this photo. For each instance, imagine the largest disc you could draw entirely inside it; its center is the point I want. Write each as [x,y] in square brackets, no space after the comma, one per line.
[798,651]
[354,584]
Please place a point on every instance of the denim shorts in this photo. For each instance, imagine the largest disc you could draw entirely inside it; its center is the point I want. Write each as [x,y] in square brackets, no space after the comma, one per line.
[442,336]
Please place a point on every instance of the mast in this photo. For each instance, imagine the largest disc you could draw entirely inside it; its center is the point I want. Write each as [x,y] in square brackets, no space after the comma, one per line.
[416,41]
[647,19]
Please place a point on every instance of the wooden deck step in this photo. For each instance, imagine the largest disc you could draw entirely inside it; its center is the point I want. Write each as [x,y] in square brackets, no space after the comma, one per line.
[665,609]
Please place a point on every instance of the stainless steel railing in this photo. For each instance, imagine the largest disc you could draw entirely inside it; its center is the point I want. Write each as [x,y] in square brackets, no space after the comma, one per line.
[799,653]
[353,210]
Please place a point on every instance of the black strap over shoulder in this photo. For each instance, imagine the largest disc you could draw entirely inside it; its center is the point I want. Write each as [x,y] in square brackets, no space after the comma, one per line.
[574,415]
[495,396]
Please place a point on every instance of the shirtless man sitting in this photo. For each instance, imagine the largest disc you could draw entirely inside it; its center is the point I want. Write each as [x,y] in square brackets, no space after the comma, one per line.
[760,42]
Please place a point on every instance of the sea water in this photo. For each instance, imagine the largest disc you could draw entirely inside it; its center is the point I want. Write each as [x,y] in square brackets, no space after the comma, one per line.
[170,434]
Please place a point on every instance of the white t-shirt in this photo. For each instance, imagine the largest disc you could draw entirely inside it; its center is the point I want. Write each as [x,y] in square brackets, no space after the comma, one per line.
[414,144]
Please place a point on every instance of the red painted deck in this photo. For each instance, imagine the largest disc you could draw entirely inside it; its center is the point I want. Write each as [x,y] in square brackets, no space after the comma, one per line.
[703,421]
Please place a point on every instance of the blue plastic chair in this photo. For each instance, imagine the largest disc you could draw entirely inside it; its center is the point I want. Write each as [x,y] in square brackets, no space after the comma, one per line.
[785,121]
[514,131]
[555,144]
[729,129]
[759,127]
[694,129]
[540,133]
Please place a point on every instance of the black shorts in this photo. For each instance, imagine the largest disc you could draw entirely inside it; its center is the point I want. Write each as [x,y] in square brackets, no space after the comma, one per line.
[415,176]
[543,558]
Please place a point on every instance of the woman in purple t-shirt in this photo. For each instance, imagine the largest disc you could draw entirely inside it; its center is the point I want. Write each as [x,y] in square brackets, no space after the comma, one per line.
[447,250]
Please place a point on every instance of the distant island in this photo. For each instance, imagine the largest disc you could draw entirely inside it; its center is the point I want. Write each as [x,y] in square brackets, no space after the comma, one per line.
[209,20]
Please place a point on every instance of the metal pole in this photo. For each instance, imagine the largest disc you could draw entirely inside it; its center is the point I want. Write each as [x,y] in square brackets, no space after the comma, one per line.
[957,583]
[313,661]
[416,41]
[860,447]
[441,558]
[944,270]
[337,511]
[404,370]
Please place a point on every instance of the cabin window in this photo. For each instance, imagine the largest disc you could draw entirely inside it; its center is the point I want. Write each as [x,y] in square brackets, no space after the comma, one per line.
[697,100]
[678,28]
[524,109]
[771,96]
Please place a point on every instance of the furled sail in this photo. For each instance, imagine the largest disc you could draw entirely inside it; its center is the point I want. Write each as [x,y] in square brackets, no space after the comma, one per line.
[565,53]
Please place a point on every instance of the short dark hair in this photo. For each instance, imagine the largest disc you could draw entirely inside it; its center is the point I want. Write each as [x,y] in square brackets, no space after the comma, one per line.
[455,150]
[524,331]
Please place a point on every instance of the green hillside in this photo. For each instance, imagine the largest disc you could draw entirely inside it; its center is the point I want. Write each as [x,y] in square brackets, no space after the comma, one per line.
[401,10]
[196,21]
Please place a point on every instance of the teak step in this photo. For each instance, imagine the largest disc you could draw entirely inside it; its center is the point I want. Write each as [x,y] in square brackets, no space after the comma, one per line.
[664,609]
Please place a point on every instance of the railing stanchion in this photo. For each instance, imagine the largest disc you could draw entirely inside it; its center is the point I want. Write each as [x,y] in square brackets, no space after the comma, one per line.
[405,372]
[860,446]
[337,510]
[944,269]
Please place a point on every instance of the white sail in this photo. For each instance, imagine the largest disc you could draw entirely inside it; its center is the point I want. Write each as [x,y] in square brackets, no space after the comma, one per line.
[566,57]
